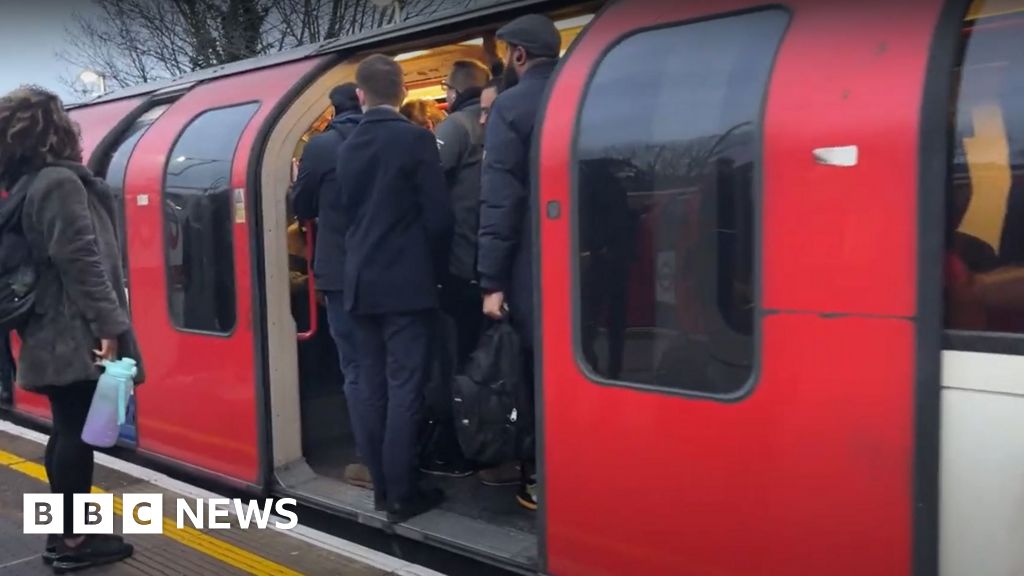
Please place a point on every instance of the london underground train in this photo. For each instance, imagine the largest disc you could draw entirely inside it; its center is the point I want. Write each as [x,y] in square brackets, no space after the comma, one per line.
[779,250]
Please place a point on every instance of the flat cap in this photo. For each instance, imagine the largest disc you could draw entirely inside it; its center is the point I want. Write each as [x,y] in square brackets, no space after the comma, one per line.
[535,33]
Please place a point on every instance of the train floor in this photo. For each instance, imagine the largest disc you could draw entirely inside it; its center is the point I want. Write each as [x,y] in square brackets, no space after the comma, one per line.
[177,550]
[495,505]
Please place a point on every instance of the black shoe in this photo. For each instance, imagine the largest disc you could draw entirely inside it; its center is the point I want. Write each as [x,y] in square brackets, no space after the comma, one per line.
[52,540]
[50,554]
[94,550]
[422,502]
[380,502]
[450,469]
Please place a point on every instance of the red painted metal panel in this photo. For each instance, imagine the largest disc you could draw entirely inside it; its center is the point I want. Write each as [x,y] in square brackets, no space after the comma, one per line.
[200,405]
[844,239]
[812,473]
[94,123]
[97,121]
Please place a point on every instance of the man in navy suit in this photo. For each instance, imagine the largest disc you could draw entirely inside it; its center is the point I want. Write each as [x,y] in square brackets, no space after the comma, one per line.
[399,230]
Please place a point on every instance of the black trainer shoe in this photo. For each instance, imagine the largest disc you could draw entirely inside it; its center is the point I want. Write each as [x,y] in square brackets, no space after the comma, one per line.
[94,550]
[422,502]
[52,540]
[450,469]
[380,502]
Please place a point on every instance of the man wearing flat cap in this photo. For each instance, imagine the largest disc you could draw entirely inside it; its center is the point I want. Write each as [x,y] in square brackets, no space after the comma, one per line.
[505,259]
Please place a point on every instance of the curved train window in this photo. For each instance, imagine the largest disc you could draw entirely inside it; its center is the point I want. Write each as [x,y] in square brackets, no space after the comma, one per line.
[117,169]
[199,221]
[985,225]
[667,164]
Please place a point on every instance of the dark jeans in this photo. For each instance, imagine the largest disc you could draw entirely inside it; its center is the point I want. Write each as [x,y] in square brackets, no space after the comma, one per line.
[385,404]
[69,460]
[343,331]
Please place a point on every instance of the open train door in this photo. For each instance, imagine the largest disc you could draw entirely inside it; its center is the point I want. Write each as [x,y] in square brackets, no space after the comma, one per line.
[765,420]
[193,237]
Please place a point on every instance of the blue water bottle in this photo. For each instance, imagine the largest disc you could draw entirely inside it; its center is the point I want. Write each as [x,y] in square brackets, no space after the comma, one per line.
[109,403]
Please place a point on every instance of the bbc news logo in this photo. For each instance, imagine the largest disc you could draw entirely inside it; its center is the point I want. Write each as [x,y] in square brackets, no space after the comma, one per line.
[144,513]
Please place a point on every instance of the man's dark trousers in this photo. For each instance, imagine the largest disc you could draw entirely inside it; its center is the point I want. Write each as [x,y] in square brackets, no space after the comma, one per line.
[394,366]
[343,332]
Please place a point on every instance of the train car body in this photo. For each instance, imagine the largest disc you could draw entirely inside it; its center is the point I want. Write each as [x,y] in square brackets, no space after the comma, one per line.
[745,358]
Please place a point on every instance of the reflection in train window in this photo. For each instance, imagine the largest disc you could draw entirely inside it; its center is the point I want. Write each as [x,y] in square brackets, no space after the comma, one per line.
[198,221]
[667,164]
[985,225]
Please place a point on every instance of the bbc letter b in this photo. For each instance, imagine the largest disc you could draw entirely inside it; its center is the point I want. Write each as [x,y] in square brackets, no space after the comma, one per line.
[42,514]
[93,514]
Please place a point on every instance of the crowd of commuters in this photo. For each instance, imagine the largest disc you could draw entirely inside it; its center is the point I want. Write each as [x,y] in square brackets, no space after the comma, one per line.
[443,226]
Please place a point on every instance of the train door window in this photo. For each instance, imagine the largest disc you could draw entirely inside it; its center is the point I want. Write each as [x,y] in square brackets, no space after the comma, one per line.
[199,221]
[985,226]
[117,168]
[667,164]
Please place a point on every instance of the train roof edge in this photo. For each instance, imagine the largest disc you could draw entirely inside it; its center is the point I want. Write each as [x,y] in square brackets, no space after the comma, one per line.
[363,39]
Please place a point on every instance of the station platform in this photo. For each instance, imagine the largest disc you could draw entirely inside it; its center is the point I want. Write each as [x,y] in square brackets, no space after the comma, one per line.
[190,551]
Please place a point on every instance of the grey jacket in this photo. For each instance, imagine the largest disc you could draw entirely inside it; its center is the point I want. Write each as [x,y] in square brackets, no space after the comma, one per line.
[460,140]
[69,221]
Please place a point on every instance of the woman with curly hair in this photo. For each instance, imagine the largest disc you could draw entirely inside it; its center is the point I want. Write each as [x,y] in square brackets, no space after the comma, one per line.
[81,312]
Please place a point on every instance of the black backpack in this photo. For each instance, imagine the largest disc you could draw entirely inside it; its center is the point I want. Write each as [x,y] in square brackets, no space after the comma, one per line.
[487,398]
[17,265]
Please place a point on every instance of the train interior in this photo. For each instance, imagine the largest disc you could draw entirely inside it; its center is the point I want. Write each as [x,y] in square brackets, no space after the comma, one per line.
[484,520]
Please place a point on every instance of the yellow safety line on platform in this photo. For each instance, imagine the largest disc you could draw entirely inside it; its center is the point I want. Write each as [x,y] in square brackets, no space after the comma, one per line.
[194,539]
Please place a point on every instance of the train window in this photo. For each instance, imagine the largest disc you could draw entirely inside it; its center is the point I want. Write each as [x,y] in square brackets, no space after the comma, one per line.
[199,221]
[667,163]
[985,226]
[117,169]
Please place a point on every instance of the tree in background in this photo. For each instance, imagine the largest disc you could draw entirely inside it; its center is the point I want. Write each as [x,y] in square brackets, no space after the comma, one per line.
[133,42]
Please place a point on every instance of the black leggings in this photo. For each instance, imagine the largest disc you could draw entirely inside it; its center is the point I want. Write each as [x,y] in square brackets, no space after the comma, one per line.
[69,460]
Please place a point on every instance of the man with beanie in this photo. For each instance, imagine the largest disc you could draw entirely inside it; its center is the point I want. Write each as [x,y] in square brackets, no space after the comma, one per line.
[316,196]
[505,261]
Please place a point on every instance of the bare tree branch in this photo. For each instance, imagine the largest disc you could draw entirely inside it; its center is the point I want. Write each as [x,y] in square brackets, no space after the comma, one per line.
[137,41]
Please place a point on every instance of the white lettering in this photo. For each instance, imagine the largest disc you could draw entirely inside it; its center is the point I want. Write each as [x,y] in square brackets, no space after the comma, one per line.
[262,515]
[293,519]
[184,509]
[219,508]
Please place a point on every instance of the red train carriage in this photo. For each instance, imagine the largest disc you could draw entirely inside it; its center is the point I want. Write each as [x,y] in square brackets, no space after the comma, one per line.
[740,288]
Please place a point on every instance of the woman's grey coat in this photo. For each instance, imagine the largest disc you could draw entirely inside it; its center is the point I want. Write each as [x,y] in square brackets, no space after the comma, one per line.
[69,221]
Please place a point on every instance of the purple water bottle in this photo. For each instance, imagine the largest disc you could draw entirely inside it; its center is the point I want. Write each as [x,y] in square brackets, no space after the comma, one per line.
[109,403]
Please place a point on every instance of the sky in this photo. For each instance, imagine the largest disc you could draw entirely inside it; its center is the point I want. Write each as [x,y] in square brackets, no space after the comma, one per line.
[31,32]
